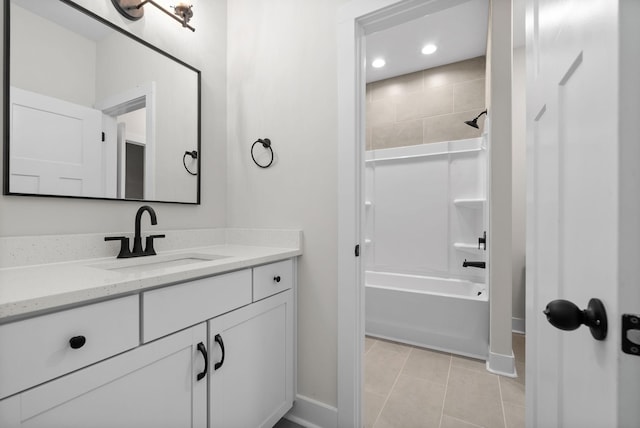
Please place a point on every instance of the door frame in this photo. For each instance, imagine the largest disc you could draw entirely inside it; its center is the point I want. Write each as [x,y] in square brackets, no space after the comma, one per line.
[356,19]
[143,95]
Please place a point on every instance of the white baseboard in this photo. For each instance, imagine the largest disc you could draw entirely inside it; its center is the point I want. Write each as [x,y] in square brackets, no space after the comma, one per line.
[311,413]
[504,365]
[518,325]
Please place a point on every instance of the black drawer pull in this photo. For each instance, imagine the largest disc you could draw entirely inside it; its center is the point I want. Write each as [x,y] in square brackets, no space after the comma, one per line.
[77,342]
[219,341]
[276,278]
[203,351]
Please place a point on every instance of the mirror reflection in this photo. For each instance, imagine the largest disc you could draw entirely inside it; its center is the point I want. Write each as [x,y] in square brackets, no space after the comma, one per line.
[94,112]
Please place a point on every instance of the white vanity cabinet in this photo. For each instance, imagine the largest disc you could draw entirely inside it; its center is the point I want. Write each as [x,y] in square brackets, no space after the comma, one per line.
[251,352]
[251,364]
[177,376]
[153,385]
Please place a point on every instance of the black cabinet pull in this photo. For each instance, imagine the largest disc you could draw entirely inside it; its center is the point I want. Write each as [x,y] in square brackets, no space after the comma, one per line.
[203,351]
[77,342]
[219,341]
[276,278]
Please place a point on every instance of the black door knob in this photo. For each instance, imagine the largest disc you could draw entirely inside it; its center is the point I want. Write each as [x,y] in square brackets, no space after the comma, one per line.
[565,315]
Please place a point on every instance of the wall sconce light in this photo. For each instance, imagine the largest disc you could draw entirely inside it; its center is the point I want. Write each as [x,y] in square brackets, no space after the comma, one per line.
[132,9]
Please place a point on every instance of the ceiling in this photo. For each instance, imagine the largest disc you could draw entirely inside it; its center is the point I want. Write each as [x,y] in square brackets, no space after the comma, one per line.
[459,32]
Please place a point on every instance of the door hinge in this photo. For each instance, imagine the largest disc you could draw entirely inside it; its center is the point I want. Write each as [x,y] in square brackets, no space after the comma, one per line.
[103,137]
[357,251]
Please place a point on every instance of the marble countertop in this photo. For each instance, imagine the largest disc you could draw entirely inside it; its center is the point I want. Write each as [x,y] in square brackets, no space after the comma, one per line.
[30,290]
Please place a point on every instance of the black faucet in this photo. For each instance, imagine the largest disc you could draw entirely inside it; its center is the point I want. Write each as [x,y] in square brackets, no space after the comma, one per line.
[137,239]
[480,265]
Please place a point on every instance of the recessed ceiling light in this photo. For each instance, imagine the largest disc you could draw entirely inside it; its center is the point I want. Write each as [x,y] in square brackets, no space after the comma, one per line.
[429,49]
[378,62]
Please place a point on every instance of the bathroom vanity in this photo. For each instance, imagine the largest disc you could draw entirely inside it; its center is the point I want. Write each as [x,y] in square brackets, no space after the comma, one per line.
[188,339]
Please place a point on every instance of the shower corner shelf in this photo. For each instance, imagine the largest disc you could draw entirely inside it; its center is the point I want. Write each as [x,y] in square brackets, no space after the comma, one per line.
[470,203]
[470,248]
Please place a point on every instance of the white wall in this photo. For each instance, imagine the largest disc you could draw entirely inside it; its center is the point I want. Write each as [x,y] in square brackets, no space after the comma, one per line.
[73,60]
[206,50]
[283,85]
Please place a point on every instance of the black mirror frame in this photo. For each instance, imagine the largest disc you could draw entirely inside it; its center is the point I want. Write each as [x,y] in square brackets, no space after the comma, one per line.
[6,104]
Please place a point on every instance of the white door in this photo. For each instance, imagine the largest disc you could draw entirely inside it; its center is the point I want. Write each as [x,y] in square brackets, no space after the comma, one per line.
[576,226]
[251,364]
[155,385]
[60,156]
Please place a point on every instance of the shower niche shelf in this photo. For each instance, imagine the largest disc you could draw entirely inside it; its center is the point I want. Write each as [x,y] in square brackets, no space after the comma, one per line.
[470,248]
[469,203]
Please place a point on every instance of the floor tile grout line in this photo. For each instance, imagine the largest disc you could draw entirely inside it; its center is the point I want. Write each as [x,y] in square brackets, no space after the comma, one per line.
[446,386]
[392,386]
[466,422]
[504,414]
[372,345]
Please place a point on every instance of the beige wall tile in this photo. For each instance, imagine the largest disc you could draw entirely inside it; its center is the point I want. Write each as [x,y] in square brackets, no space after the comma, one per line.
[462,71]
[428,365]
[435,95]
[451,127]
[368,139]
[407,133]
[430,102]
[468,95]
[400,85]
[475,397]
[381,112]
[413,403]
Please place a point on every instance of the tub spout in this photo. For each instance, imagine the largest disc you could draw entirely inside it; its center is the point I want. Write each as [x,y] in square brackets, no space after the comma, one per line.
[480,265]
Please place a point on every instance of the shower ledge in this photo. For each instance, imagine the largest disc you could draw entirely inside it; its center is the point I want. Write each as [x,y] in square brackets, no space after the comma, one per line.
[470,248]
[470,203]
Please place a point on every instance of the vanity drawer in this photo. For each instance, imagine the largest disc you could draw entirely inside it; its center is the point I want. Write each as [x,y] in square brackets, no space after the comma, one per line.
[271,279]
[41,347]
[180,306]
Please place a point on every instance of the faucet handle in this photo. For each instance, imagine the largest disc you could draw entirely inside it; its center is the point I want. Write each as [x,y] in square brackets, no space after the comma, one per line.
[148,249]
[124,245]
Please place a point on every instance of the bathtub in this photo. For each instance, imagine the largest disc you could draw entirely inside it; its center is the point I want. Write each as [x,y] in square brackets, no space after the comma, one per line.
[448,315]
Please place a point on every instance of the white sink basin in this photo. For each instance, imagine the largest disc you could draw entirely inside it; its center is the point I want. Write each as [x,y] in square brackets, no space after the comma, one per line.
[151,263]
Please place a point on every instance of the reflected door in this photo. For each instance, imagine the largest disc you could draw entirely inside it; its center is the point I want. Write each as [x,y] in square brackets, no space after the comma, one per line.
[56,146]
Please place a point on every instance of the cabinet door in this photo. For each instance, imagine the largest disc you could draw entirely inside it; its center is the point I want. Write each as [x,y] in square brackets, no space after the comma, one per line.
[252,379]
[153,386]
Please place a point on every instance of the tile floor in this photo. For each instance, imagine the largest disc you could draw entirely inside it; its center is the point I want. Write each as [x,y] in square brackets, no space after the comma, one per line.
[410,387]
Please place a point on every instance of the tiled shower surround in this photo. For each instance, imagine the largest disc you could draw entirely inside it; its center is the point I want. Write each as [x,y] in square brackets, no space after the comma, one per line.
[427,106]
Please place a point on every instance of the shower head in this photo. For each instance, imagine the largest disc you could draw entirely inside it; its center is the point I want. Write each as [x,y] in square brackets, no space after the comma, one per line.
[474,122]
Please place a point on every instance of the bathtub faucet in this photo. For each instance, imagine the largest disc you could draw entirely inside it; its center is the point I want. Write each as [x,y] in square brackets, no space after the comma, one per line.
[480,265]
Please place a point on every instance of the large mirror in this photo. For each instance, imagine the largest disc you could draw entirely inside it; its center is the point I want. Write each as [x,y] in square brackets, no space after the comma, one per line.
[92,111]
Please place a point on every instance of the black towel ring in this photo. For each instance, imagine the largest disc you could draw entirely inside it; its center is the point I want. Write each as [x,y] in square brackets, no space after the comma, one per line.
[194,155]
[266,143]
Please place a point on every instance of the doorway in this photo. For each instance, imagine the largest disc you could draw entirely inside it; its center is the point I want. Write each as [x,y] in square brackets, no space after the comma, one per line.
[361,18]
